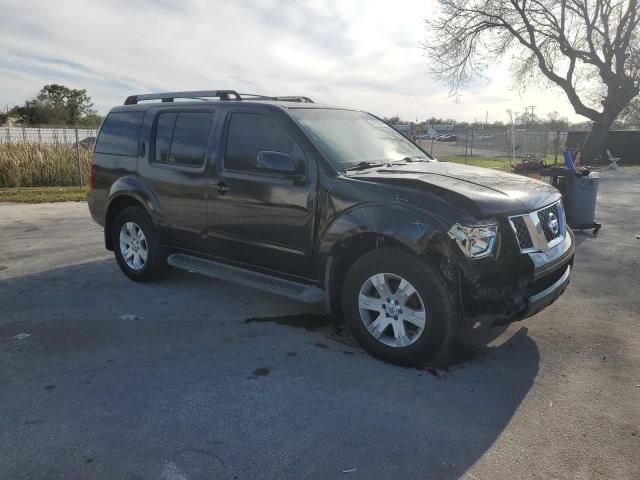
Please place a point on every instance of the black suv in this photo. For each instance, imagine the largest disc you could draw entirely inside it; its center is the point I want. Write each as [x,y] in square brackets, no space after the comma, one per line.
[326,204]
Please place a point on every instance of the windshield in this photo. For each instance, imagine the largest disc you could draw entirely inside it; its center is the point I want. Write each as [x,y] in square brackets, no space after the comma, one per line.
[349,138]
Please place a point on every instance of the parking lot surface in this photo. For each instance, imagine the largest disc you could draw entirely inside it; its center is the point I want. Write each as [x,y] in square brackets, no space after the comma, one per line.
[118,380]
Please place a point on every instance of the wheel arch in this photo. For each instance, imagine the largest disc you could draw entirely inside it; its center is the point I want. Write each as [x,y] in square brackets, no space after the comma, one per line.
[129,192]
[362,230]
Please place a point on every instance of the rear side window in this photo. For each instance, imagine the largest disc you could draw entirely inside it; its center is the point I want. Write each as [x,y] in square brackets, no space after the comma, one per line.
[164,132]
[182,138]
[251,133]
[119,134]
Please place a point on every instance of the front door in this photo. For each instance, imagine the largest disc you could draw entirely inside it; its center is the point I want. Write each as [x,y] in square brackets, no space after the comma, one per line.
[259,213]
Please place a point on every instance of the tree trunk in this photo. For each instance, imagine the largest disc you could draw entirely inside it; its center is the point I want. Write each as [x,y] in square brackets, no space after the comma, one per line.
[595,142]
[594,145]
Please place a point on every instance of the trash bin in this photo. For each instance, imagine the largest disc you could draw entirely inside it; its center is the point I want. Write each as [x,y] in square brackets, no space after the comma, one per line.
[580,194]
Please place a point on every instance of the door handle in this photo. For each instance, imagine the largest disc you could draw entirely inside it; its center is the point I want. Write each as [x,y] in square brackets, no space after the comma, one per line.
[222,187]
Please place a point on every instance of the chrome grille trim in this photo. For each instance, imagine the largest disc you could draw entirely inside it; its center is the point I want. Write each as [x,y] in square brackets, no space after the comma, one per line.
[537,241]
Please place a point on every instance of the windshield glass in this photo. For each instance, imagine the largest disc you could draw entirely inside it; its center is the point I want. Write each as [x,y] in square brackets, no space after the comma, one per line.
[349,138]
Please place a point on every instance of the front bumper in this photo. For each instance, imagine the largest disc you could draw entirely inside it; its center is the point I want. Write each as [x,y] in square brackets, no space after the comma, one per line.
[523,289]
[551,276]
[541,300]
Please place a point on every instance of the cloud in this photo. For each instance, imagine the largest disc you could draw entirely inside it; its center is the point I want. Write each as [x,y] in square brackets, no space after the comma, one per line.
[360,54]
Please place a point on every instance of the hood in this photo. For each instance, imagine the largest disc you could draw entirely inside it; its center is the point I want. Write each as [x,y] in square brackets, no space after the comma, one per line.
[492,192]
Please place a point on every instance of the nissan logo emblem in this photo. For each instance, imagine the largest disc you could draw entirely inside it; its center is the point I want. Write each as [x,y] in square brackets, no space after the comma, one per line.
[552,223]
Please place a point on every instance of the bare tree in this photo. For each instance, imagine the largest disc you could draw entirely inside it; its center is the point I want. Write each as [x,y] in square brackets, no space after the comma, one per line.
[588,48]
[631,114]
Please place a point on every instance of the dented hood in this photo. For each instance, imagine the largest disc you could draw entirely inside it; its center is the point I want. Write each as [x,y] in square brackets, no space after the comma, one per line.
[492,192]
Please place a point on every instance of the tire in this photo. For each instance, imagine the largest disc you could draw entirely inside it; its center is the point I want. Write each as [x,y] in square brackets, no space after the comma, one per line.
[129,222]
[432,300]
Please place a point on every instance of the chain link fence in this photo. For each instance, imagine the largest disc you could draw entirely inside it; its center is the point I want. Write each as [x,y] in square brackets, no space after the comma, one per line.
[39,157]
[34,157]
[46,136]
[500,145]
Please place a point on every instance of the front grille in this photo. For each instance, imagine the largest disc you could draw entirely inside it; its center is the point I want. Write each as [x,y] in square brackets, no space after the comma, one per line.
[534,230]
[544,216]
[522,233]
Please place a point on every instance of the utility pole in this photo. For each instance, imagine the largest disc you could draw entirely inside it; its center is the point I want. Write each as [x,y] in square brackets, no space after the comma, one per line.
[512,149]
[532,118]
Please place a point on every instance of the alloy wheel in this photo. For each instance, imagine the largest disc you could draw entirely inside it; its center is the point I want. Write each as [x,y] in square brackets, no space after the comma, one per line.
[133,246]
[392,310]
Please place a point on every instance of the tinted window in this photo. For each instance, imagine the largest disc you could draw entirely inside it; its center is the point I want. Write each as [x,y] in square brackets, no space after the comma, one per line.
[190,138]
[164,132]
[183,137]
[250,134]
[119,134]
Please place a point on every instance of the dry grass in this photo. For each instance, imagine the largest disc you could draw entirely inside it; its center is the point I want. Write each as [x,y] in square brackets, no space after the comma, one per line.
[30,165]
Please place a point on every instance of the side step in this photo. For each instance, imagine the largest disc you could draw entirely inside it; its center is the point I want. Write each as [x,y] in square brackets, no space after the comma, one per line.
[298,291]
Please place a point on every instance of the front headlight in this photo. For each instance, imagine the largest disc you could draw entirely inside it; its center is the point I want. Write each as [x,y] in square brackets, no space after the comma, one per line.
[476,240]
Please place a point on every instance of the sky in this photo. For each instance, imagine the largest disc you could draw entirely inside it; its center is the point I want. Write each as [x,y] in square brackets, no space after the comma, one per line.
[363,54]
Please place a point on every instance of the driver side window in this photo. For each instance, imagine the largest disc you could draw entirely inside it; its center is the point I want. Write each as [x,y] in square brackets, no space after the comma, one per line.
[252,133]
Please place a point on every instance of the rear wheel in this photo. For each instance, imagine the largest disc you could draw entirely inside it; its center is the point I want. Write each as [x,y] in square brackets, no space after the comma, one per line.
[399,307]
[137,246]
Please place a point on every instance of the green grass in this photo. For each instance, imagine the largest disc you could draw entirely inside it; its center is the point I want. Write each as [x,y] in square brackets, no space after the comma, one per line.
[43,194]
[497,163]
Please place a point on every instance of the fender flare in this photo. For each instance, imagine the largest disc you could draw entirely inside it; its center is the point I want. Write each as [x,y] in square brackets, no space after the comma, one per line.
[133,188]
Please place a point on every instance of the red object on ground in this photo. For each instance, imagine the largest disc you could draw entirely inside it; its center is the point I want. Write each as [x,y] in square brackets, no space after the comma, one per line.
[528,166]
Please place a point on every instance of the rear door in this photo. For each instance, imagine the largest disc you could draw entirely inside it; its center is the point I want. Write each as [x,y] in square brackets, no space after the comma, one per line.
[180,145]
[256,215]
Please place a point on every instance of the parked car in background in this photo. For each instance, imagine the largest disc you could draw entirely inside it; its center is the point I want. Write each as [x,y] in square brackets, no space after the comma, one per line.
[326,204]
[447,138]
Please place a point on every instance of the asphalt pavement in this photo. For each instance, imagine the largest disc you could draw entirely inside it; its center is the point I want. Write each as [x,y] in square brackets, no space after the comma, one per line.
[118,380]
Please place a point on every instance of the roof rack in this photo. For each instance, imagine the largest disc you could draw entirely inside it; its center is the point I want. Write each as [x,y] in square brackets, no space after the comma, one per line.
[194,95]
[204,94]
[285,98]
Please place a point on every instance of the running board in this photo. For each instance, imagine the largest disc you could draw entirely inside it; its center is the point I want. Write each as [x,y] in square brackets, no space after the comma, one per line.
[298,291]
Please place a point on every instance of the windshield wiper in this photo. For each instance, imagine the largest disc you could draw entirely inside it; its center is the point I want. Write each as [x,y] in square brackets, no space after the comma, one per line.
[412,159]
[364,166]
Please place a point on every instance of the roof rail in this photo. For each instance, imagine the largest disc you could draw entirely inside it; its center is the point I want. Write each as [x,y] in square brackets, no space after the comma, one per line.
[286,98]
[194,95]
[294,98]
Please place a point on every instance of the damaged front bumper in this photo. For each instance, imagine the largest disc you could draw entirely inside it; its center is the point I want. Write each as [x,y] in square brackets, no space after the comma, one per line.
[541,279]
[546,297]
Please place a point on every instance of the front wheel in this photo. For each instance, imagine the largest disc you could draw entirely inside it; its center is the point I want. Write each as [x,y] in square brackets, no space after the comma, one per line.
[137,246]
[398,307]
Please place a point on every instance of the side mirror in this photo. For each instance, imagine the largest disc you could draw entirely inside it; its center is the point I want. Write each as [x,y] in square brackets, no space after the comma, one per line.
[284,164]
[276,162]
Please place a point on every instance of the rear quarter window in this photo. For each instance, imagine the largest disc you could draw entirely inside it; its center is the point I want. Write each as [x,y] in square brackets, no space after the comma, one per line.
[119,134]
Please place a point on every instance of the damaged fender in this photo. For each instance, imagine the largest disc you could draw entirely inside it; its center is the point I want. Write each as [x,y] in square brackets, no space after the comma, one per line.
[410,226]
